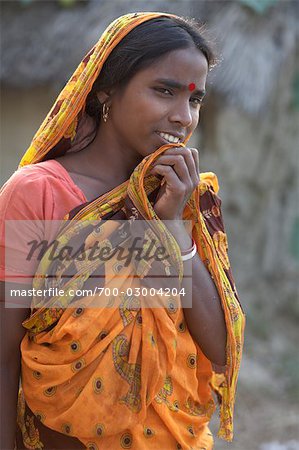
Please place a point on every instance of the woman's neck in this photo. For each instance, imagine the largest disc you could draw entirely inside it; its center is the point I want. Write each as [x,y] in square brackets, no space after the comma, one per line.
[106,158]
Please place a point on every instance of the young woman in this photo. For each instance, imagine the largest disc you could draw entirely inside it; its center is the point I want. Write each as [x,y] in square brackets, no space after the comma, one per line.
[113,147]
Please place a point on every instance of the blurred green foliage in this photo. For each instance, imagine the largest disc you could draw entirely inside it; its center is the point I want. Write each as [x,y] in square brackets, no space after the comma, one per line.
[288,369]
[66,3]
[259,6]
[296,91]
[295,237]
[257,323]
[63,3]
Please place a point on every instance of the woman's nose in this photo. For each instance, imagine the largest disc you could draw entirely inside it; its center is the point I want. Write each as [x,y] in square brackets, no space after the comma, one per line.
[182,114]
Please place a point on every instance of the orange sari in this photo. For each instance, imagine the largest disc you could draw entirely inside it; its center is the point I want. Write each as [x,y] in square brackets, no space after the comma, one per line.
[124,376]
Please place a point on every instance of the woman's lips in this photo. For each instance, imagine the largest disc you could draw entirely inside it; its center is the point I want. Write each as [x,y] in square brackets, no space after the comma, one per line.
[168,138]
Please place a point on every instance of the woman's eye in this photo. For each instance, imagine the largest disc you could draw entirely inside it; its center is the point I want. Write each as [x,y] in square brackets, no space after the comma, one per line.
[197,100]
[164,91]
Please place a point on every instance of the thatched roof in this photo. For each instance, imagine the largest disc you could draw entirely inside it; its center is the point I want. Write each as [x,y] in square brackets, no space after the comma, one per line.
[42,43]
[256,50]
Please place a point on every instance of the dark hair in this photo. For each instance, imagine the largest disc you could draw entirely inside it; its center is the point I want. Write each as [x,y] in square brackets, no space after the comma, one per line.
[146,43]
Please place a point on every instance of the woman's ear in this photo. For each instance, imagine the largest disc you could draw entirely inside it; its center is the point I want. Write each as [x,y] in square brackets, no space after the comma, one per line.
[102,97]
[105,96]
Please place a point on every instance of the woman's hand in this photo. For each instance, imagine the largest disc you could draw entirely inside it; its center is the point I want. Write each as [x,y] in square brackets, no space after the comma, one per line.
[180,168]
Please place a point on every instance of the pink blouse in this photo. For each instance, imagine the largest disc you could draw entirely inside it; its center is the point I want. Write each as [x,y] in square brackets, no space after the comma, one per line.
[35,195]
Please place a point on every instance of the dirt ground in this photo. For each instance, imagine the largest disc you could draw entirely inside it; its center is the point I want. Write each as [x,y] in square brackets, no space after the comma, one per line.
[262,424]
[266,418]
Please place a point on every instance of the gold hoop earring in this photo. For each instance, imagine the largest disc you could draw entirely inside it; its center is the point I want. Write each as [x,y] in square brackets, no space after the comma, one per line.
[106,110]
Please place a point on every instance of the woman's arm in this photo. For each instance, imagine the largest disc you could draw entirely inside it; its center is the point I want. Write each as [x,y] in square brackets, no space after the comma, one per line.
[12,333]
[205,318]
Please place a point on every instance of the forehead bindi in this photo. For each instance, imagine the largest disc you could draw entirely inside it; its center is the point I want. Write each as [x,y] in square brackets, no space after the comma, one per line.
[188,67]
[173,84]
[182,70]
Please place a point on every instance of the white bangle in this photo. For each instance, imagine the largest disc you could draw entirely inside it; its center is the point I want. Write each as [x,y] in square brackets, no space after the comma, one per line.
[190,254]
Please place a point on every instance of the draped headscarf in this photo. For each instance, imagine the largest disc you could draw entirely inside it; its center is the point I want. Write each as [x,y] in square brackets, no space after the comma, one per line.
[67,128]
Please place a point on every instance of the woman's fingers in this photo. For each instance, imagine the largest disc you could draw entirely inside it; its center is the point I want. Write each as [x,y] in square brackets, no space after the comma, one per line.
[179,168]
[185,162]
[195,155]
[172,179]
[177,162]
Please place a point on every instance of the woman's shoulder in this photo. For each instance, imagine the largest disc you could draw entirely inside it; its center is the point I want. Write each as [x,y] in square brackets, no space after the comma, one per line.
[37,173]
[45,175]
[39,190]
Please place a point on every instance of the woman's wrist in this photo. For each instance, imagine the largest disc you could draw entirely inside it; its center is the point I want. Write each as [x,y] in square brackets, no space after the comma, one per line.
[188,254]
[178,230]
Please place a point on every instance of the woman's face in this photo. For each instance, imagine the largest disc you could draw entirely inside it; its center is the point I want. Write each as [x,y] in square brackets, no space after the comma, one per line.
[160,103]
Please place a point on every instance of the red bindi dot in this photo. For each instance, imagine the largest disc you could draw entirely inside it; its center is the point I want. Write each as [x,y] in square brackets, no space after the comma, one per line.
[191,87]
